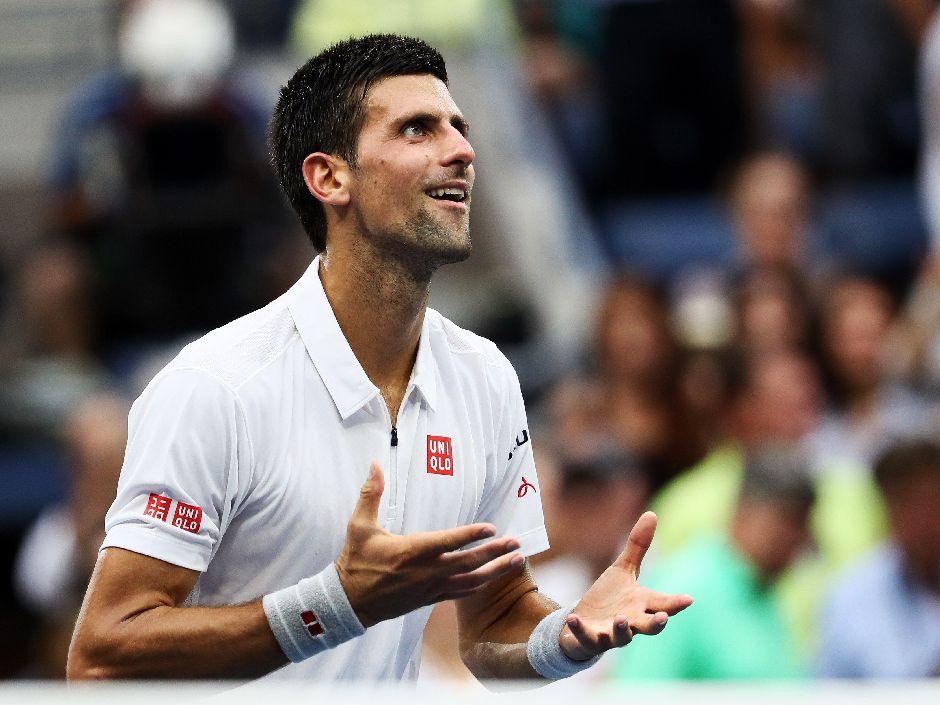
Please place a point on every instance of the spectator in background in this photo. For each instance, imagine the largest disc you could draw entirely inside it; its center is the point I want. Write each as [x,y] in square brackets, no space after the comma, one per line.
[48,361]
[59,550]
[774,311]
[882,618]
[774,399]
[770,202]
[737,629]
[867,411]
[160,177]
[637,368]
[594,494]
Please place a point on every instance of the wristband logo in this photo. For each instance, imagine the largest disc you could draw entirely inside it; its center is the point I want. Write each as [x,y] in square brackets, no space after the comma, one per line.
[314,628]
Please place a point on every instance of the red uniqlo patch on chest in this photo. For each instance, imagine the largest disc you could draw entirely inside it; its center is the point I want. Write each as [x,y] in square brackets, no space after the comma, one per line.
[440,455]
[188,517]
[158,507]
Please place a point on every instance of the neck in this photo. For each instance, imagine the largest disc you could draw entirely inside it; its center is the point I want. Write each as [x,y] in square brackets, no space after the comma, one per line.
[379,305]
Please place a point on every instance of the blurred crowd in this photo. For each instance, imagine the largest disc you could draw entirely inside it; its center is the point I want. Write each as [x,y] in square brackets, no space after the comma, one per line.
[706,229]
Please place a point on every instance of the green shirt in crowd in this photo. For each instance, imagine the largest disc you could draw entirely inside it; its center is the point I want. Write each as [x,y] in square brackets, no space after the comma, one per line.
[734,630]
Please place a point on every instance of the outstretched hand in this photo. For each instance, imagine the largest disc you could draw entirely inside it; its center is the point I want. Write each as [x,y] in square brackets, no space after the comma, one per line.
[386,575]
[616,606]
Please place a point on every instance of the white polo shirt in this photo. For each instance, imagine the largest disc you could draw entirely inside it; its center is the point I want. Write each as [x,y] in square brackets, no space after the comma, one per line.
[247,452]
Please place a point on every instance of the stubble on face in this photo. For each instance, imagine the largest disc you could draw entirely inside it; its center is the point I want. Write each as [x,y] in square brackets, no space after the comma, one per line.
[407,148]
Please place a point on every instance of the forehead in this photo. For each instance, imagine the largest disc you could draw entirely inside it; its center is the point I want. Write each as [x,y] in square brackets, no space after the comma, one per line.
[397,96]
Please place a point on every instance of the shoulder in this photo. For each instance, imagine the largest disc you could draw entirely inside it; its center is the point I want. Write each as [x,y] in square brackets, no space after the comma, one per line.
[240,350]
[867,579]
[471,361]
[460,341]
[470,353]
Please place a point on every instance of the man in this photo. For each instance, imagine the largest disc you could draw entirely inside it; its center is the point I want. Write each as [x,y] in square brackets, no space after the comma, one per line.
[739,630]
[247,452]
[894,591]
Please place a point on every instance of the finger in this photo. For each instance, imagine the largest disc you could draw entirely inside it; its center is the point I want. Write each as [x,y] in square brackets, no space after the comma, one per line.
[370,496]
[623,634]
[650,624]
[473,558]
[433,543]
[593,642]
[638,543]
[670,604]
[484,574]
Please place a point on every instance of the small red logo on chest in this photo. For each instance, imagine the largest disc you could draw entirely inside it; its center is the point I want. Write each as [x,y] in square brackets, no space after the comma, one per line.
[524,488]
[440,455]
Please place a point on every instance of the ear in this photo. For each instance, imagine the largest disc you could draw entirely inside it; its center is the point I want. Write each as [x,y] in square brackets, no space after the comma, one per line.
[327,178]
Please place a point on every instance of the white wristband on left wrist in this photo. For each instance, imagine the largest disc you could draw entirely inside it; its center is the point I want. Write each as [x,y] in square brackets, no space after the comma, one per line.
[544,650]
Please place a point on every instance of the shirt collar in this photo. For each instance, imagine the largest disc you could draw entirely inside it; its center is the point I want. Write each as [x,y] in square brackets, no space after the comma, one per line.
[345,380]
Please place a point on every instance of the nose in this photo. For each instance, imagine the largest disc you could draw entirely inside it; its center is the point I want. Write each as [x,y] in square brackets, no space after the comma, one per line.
[458,148]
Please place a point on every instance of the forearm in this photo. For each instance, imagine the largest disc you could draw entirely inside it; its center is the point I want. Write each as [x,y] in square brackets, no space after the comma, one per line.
[177,642]
[498,649]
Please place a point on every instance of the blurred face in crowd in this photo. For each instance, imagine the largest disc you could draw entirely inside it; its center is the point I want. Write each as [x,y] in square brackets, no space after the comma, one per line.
[634,341]
[770,210]
[784,400]
[771,533]
[855,327]
[589,517]
[771,313]
[914,514]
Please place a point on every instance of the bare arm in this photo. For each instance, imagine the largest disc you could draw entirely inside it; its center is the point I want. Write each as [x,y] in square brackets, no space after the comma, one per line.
[496,622]
[132,625]
[494,626]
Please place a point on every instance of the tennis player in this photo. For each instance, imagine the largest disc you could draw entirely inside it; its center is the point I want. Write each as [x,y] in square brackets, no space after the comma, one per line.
[301,485]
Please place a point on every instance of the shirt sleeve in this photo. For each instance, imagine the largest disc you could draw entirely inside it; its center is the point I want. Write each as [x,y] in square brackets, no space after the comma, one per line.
[186,442]
[513,503]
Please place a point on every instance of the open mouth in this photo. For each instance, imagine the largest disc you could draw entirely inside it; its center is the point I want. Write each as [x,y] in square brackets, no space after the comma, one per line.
[448,193]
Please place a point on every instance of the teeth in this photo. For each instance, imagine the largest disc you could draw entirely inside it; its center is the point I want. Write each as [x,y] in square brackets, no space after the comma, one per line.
[442,192]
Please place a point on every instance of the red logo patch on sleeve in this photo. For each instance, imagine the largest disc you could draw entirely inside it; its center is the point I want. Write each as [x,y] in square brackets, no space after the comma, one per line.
[158,507]
[188,517]
[440,455]
[314,628]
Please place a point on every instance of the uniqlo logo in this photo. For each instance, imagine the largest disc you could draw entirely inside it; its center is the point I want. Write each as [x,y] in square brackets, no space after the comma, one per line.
[314,628]
[188,517]
[158,507]
[440,455]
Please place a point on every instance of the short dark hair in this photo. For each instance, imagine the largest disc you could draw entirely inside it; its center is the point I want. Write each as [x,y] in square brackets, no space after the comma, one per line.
[775,473]
[906,459]
[321,109]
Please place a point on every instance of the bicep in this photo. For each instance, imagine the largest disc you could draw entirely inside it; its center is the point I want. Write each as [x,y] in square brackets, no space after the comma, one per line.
[125,583]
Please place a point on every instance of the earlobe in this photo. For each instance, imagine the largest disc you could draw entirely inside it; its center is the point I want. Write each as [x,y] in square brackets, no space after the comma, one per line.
[327,178]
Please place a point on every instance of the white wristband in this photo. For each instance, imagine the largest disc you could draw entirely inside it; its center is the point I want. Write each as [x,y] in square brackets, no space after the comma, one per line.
[312,616]
[544,651]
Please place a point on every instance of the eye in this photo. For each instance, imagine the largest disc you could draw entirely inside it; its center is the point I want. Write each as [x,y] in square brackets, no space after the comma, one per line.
[414,129]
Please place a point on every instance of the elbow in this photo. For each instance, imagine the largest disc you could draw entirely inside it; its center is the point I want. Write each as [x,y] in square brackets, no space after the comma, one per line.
[90,659]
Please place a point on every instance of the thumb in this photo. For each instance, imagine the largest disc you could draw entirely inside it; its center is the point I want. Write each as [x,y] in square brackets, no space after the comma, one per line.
[370,496]
[641,536]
